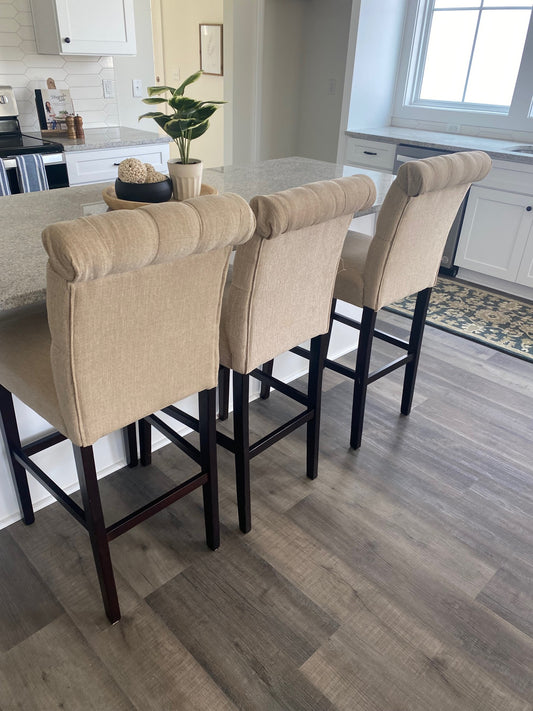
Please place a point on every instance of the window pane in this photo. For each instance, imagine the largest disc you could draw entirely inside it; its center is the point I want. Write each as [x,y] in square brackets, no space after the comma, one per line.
[448,55]
[497,55]
[508,3]
[457,3]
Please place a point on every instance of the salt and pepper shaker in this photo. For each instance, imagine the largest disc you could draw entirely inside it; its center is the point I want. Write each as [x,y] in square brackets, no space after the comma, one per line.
[71,130]
[78,124]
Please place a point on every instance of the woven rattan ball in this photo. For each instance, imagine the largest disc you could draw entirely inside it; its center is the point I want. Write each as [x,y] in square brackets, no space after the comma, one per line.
[132,170]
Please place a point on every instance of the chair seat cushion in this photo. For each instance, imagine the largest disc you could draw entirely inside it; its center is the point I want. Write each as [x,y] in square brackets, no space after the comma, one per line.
[25,368]
[350,283]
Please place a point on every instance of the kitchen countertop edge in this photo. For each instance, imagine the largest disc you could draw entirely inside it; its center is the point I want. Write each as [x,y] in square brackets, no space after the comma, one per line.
[496,148]
[106,138]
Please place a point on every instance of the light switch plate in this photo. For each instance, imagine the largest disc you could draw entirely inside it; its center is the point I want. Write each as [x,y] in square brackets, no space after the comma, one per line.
[137,87]
[108,86]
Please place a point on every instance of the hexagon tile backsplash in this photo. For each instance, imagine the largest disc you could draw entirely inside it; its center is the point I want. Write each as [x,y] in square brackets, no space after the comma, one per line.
[25,70]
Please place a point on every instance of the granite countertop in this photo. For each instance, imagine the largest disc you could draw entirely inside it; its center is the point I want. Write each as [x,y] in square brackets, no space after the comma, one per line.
[496,148]
[110,137]
[23,217]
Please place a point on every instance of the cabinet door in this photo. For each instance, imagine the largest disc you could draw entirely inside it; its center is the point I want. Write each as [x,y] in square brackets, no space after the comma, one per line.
[525,270]
[96,27]
[495,232]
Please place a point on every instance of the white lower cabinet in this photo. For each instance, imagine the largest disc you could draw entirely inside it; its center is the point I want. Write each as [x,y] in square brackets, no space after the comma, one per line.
[497,233]
[102,165]
[370,154]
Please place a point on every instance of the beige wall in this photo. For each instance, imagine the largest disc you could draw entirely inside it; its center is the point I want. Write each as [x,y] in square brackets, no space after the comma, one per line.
[282,70]
[325,49]
[177,55]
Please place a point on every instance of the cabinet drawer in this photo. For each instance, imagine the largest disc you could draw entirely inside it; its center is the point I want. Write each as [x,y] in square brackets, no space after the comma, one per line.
[102,165]
[370,154]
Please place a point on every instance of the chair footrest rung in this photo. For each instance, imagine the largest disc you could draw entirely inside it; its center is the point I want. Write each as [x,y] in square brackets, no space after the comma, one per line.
[43,443]
[386,369]
[57,492]
[280,386]
[277,434]
[178,492]
[180,442]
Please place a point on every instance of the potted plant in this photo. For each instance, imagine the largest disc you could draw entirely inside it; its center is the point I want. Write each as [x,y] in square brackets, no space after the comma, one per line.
[189,119]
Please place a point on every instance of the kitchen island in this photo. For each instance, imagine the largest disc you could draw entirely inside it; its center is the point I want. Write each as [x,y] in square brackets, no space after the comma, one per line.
[23,281]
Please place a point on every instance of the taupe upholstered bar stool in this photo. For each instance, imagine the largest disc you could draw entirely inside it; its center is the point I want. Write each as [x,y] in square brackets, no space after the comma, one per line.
[133,306]
[401,259]
[279,296]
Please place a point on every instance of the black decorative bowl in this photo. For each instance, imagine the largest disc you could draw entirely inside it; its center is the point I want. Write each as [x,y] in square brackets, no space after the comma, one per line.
[144,192]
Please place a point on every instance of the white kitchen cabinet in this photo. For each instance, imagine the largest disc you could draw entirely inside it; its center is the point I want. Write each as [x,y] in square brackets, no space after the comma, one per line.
[99,166]
[497,227]
[101,27]
[370,154]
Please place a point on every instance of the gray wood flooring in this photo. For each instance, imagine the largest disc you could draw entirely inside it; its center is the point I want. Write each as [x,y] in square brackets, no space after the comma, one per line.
[400,580]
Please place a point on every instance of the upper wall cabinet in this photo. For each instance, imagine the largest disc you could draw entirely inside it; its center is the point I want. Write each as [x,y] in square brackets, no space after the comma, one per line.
[101,27]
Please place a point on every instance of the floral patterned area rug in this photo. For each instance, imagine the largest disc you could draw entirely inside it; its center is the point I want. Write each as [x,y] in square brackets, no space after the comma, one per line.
[482,315]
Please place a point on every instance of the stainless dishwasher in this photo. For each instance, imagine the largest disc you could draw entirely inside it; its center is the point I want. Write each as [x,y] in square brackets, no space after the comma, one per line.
[405,154]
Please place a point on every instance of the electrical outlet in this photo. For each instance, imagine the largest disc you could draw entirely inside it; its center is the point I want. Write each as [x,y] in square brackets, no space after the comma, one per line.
[332,87]
[137,87]
[108,86]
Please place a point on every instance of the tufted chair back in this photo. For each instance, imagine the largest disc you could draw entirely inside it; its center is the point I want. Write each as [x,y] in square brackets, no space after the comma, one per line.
[283,278]
[414,222]
[134,300]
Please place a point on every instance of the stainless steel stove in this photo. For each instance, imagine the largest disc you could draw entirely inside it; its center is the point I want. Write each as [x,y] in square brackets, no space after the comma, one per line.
[13,142]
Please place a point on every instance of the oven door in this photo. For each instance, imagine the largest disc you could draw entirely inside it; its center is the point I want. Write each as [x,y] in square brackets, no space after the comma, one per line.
[56,171]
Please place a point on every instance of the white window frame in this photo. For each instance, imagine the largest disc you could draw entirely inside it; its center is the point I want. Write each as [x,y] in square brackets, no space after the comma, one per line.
[406,108]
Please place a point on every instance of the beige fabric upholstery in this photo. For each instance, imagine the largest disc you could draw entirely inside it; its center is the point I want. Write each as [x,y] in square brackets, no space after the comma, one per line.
[404,255]
[134,301]
[282,282]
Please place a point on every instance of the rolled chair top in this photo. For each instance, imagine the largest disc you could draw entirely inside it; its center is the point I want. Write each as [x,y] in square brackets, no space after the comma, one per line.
[93,247]
[311,204]
[425,176]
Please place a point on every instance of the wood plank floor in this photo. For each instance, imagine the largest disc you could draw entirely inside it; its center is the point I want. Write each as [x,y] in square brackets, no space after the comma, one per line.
[400,580]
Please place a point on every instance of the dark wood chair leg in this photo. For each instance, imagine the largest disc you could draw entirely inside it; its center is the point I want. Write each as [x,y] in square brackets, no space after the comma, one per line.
[129,434]
[241,431]
[223,392]
[415,345]
[207,402]
[267,368]
[319,351]
[145,442]
[94,519]
[364,351]
[11,437]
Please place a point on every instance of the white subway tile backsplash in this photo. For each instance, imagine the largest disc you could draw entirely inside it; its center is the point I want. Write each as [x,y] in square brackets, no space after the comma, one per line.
[25,70]
[8,39]
[9,25]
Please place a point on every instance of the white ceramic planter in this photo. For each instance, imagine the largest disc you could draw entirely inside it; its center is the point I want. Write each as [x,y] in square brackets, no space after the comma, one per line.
[186,178]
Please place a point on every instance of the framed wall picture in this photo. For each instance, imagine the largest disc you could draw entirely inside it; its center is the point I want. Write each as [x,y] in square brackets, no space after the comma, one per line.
[211,49]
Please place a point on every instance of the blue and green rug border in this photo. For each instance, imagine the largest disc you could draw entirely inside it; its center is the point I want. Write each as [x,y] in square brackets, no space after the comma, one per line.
[479,314]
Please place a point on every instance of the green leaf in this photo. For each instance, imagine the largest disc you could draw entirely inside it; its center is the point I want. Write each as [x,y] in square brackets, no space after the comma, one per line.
[181,88]
[202,103]
[154,101]
[153,114]
[178,128]
[205,112]
[197,131]
[183,104]
[159,89]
